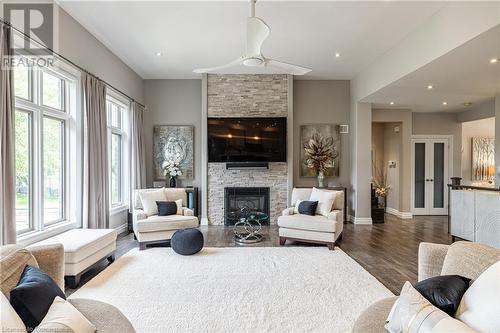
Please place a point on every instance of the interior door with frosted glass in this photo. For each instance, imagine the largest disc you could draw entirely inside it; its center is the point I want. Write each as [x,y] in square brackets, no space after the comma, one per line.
[430,176]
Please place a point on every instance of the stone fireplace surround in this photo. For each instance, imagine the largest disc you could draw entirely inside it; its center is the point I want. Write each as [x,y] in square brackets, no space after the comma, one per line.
[246,95]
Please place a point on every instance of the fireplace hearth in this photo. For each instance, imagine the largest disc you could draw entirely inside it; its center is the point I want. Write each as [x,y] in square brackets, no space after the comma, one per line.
[239,201]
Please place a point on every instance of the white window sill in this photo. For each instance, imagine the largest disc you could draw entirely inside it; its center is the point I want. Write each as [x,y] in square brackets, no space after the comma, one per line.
[118,209]
[37,236]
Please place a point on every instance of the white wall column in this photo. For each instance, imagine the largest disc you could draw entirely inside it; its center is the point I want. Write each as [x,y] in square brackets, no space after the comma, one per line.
[204,152]
[361,164]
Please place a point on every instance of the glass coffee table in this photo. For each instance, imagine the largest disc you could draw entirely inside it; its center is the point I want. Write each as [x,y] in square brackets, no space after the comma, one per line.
[247,229]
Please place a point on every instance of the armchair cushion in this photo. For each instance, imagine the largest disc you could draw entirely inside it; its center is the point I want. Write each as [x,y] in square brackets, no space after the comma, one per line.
[163,223]
[149,198]
[307,222]
[174,194]
[325,200]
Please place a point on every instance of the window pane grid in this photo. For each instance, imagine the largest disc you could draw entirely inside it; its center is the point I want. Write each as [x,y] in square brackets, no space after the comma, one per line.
[52,91]
[115,112]
[53,170]
[42,109]
[23,167]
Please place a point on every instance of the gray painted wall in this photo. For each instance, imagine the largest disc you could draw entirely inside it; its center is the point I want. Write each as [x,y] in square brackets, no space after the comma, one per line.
[484,128]
[173,102]
[404,118]
[320,102]
[81,47]
[441,123]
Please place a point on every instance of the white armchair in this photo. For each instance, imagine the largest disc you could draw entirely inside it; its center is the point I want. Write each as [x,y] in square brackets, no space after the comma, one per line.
[149,229]
[313,229]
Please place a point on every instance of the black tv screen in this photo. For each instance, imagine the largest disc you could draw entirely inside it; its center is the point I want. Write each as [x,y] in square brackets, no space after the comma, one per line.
[247,139]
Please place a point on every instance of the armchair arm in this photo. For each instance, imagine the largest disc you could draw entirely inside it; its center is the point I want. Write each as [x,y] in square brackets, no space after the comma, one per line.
[187,211]
[288,211]
[335,215]
[430,259]
[139,214]
[50,259]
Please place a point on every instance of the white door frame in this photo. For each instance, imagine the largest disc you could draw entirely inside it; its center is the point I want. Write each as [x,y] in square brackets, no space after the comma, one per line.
[412,165]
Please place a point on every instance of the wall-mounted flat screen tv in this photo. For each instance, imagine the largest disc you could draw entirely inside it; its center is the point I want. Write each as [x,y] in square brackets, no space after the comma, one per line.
[247,139]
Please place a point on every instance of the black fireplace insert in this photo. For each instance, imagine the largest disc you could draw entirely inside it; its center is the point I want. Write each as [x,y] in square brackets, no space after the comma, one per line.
[240,201]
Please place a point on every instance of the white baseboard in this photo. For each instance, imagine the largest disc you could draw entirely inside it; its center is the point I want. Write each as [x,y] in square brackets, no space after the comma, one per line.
[122,228]
[401,215]
[362,220]
[204,221]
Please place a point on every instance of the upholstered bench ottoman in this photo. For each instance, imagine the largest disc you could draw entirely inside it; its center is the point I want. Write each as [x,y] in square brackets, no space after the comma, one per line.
[82,249]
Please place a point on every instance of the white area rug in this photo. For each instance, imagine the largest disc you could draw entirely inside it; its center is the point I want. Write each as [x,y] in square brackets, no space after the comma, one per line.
[260,289]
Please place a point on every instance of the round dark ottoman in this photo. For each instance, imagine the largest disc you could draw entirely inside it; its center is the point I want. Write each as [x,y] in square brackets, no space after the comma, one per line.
[187,241]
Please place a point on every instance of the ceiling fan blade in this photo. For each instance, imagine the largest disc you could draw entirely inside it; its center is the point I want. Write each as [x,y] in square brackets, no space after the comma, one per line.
[236,62]
[257,32]
[289,68]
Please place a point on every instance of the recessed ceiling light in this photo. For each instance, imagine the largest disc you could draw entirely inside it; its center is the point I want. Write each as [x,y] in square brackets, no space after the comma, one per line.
[445,103]
[159,54]
[494,60]
[391,103]
[338,55]
[430,86]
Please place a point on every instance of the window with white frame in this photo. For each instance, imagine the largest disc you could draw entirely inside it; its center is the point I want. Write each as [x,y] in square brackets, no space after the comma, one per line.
[45,141]
[117,114]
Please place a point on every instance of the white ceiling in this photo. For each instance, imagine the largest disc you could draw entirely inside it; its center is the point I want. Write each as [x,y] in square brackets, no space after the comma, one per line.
[203,34]
[463,75]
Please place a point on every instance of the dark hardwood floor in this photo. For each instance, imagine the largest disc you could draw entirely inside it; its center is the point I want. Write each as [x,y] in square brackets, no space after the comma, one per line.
[388,250]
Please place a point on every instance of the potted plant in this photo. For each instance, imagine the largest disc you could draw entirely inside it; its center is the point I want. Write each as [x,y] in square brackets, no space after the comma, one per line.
[172,171]
[320,154]
[381,187]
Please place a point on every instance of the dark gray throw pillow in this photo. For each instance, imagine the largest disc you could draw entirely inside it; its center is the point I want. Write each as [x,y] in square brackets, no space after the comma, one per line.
[308,207]
[166,208]
[444,292]
[33,296]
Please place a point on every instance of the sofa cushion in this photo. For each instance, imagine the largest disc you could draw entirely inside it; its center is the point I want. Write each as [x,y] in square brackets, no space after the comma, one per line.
[469,259]
[174,194]
[13,259]
[480,305]
[166,208]
[9,319]
[81,243]
[444,292]
[33,296]
[163,223]
[149,199]
[306,222]
[63,317]
[307,207]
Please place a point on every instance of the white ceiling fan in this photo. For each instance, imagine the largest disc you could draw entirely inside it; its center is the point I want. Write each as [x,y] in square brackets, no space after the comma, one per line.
[257,32]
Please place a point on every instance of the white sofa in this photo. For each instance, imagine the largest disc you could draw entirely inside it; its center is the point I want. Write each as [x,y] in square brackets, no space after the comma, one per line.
[312,229]
[149,229]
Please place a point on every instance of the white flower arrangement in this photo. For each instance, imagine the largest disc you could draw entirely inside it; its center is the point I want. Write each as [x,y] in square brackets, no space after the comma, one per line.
[171,169]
